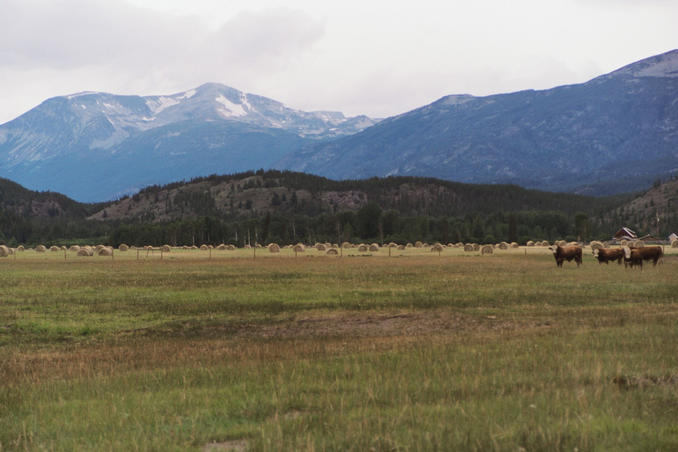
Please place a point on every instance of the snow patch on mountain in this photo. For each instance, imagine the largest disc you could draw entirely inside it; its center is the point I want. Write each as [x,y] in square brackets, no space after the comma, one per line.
[230,109]
[161,103]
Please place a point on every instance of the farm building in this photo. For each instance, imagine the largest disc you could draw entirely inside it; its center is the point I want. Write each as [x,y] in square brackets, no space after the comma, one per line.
[625,234]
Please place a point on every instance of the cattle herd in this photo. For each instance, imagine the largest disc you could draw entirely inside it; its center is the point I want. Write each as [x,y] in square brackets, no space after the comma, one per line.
[632,257]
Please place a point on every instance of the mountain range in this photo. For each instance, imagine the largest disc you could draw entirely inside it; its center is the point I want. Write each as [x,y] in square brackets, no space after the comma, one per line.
[98,146]
[616,133]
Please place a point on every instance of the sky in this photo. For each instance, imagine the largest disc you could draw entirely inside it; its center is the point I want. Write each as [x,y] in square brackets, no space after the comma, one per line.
[379,58]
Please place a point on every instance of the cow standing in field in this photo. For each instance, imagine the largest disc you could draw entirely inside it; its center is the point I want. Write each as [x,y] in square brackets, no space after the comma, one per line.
[566,253]
[608,255]
[636,256]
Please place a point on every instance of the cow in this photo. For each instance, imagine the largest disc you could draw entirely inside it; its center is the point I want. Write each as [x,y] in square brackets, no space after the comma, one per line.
[562,253]
[608,255]
[636,256]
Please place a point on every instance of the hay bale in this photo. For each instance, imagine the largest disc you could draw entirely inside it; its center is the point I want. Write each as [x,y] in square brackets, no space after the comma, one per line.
[402,247]
[273,248]
[85,252]
[332,252]
[596,245]
[54,248]
[221,247]
[298,248]
[20,248]
[514,245]
[459,245]
[74,248]
[408,245]
[105,251]
[194,247]
[165,249]
[320,246]
[346,245]
[123,247]
[487,249]
[503,245]
[374,247]
[674,244]
[529,243]
[5,251]
[437,248]
[362,248]
[637,244]
[392,245]
[476,247]
[468,248]
[560,243]
[230,247]
[99,247]
[204,247]
[545,243]
[418,244]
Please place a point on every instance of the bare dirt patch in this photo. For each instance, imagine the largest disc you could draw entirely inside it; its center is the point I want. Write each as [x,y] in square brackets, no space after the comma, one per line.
[235,445]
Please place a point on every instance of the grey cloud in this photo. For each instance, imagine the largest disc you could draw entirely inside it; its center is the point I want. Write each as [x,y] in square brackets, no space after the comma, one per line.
[72,34]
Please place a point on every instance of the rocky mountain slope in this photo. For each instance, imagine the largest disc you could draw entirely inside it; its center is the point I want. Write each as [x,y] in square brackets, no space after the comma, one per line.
[98,146]
[616,133]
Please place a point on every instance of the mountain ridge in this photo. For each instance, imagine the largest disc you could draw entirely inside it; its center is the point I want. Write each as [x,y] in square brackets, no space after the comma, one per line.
[567,138]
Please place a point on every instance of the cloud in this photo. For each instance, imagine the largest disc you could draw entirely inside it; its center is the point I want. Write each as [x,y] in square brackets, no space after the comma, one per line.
[74,34]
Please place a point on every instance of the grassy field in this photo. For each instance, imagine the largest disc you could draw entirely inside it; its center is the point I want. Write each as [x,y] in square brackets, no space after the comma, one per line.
[414,351]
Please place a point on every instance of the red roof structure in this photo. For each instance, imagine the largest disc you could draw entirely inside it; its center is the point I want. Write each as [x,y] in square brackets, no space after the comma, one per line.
[625,234]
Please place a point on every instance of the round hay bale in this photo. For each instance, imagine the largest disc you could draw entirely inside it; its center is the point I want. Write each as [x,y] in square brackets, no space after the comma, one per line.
[273,248]
[221,247]
[20,248]
[529,243]
[560,243]
[624,243]
[476,247]
[298,248]
[85,252]
[637,244]
[230,247]
[468,248]
[204,247]
[99,247]
[392,245]
[514,245]
[345,245]
[408,245]
[596,245]
[54,248]
[123,247]
[374,247]
[503,245]
[545,243]
[5,251]
[194,247]
[418,244]
[402,247]
[165,249]
[320,247]
[674,244]
[74,248]
[332,252]
[487,249]
[459,245]
[105,251]
[362,248]
[437,248]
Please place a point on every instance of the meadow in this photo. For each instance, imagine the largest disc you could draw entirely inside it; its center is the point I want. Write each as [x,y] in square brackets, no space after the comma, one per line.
[225,350]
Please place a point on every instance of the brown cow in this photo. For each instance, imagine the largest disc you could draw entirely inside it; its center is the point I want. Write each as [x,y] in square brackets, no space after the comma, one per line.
[608,255]
[636,256]
[562,253]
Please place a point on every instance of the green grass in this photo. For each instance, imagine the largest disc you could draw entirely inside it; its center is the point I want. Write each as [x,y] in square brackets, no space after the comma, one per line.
[415,352]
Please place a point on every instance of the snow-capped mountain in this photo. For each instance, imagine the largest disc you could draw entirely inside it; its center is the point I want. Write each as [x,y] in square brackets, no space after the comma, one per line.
[94,146]
[616,133]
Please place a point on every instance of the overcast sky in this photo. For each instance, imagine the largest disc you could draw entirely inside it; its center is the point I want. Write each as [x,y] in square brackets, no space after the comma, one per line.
[356,56]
